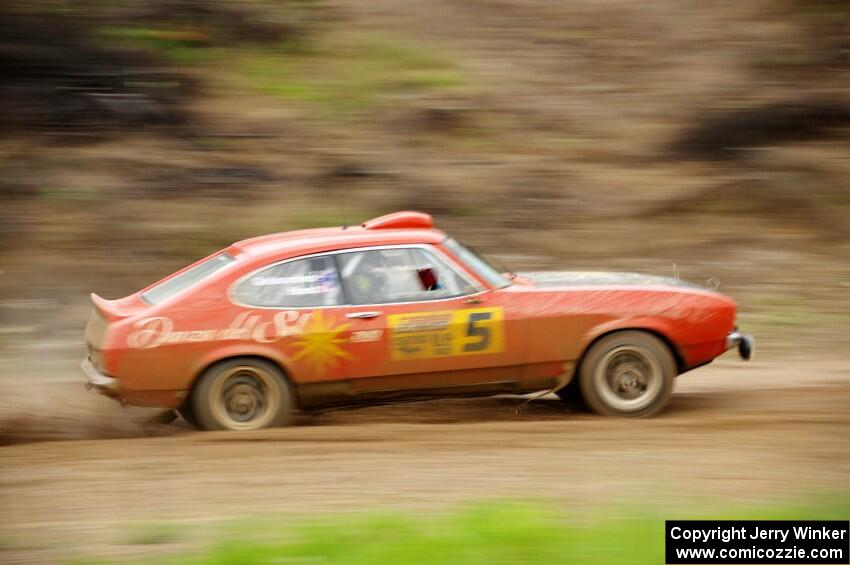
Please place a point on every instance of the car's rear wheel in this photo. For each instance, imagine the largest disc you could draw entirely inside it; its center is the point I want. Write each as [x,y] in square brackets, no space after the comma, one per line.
[628,373]
[242,394]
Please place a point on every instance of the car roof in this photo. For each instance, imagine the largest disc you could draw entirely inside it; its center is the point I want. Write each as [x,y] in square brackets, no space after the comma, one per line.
[393,229]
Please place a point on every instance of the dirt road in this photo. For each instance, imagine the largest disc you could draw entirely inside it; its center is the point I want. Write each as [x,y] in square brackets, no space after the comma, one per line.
[734,432]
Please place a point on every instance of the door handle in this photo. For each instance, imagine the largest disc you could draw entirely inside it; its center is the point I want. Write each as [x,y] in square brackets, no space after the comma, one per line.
[473,300]
[363,315]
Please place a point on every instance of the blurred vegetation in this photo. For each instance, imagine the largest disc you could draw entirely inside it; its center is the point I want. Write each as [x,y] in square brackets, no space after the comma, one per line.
[147,133]
[499,532]
[86,67]
[348,73]
[155,533]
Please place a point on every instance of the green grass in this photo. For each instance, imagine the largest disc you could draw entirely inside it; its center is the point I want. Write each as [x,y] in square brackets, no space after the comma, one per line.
[492,533]
[176,46]
[335,72]
[155,534]
[495,533]
[346,72]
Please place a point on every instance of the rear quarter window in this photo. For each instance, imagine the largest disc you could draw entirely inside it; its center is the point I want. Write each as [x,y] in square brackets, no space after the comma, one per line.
[188,278]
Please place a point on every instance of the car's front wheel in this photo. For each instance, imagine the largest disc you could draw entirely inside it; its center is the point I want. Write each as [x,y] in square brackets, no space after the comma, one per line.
[627,373]
[242,394]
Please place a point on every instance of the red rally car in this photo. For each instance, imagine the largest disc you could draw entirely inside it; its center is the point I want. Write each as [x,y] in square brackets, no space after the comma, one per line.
[394,309]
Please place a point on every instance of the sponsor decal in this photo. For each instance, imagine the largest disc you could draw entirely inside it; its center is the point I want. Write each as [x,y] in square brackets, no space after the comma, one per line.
[318,340]
[247,326]
[319,346]
[300,285]
[364,336]
[446,333]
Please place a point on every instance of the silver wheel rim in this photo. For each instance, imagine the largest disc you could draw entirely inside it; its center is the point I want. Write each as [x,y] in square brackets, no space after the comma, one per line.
[628,378]
[245,398]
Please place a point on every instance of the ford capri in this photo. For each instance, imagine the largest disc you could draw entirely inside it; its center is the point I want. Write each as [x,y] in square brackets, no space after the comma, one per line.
[394,309]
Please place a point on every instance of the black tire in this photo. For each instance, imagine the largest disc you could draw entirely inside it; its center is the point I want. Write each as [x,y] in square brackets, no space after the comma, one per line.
[242,394]
[627,373]
[188,414]
[571,395]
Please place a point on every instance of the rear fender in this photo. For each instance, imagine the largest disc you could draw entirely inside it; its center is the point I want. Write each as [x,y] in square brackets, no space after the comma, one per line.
[229,351]
[109,309]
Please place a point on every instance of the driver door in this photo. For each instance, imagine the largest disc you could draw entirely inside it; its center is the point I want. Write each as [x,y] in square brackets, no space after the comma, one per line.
[415,323]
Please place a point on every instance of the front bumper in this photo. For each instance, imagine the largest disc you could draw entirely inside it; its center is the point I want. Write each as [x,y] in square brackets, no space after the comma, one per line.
[97,380]
[745,343]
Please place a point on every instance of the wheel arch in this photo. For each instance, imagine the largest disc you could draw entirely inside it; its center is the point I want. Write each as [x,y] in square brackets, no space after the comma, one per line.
[207,364]
[665,339]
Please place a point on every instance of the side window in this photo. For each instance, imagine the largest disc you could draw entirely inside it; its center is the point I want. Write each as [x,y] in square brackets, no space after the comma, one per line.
[304,283]
[178,283]
[381,276]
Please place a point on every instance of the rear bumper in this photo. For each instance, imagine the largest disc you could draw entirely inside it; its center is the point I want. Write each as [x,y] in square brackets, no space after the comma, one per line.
[745,343]
[112,388]
[98,381]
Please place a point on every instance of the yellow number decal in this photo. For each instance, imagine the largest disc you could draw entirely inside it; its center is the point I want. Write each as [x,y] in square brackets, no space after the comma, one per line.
[446,333]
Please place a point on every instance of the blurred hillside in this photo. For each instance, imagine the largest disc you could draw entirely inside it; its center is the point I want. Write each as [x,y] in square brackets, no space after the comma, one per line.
[139,135]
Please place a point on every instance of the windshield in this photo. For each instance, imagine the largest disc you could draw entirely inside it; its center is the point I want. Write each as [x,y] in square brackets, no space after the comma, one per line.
[168,288]
[478,263]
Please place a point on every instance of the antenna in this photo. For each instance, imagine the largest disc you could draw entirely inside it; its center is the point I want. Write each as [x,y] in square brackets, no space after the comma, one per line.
[676,271]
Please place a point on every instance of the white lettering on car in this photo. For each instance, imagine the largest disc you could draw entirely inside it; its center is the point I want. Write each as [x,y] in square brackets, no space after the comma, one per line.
[363,336]
[151,333]
[159,330]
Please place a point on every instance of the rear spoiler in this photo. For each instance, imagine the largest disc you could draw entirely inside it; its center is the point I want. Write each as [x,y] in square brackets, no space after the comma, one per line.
[108,308]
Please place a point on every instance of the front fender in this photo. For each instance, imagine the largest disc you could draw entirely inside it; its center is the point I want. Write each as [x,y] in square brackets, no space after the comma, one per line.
[663,328]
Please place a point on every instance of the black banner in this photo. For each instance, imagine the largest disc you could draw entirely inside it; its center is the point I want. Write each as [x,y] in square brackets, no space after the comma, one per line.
[695,542]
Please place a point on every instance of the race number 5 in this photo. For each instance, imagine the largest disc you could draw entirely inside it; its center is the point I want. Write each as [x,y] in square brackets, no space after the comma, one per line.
[475,329]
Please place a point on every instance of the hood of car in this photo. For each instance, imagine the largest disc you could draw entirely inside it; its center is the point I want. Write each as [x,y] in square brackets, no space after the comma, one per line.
[601,278]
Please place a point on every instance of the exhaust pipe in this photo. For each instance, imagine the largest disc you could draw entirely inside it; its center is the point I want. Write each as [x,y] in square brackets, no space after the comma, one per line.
[745,343]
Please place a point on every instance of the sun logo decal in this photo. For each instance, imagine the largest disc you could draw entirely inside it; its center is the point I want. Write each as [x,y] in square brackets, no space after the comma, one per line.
[319,343]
